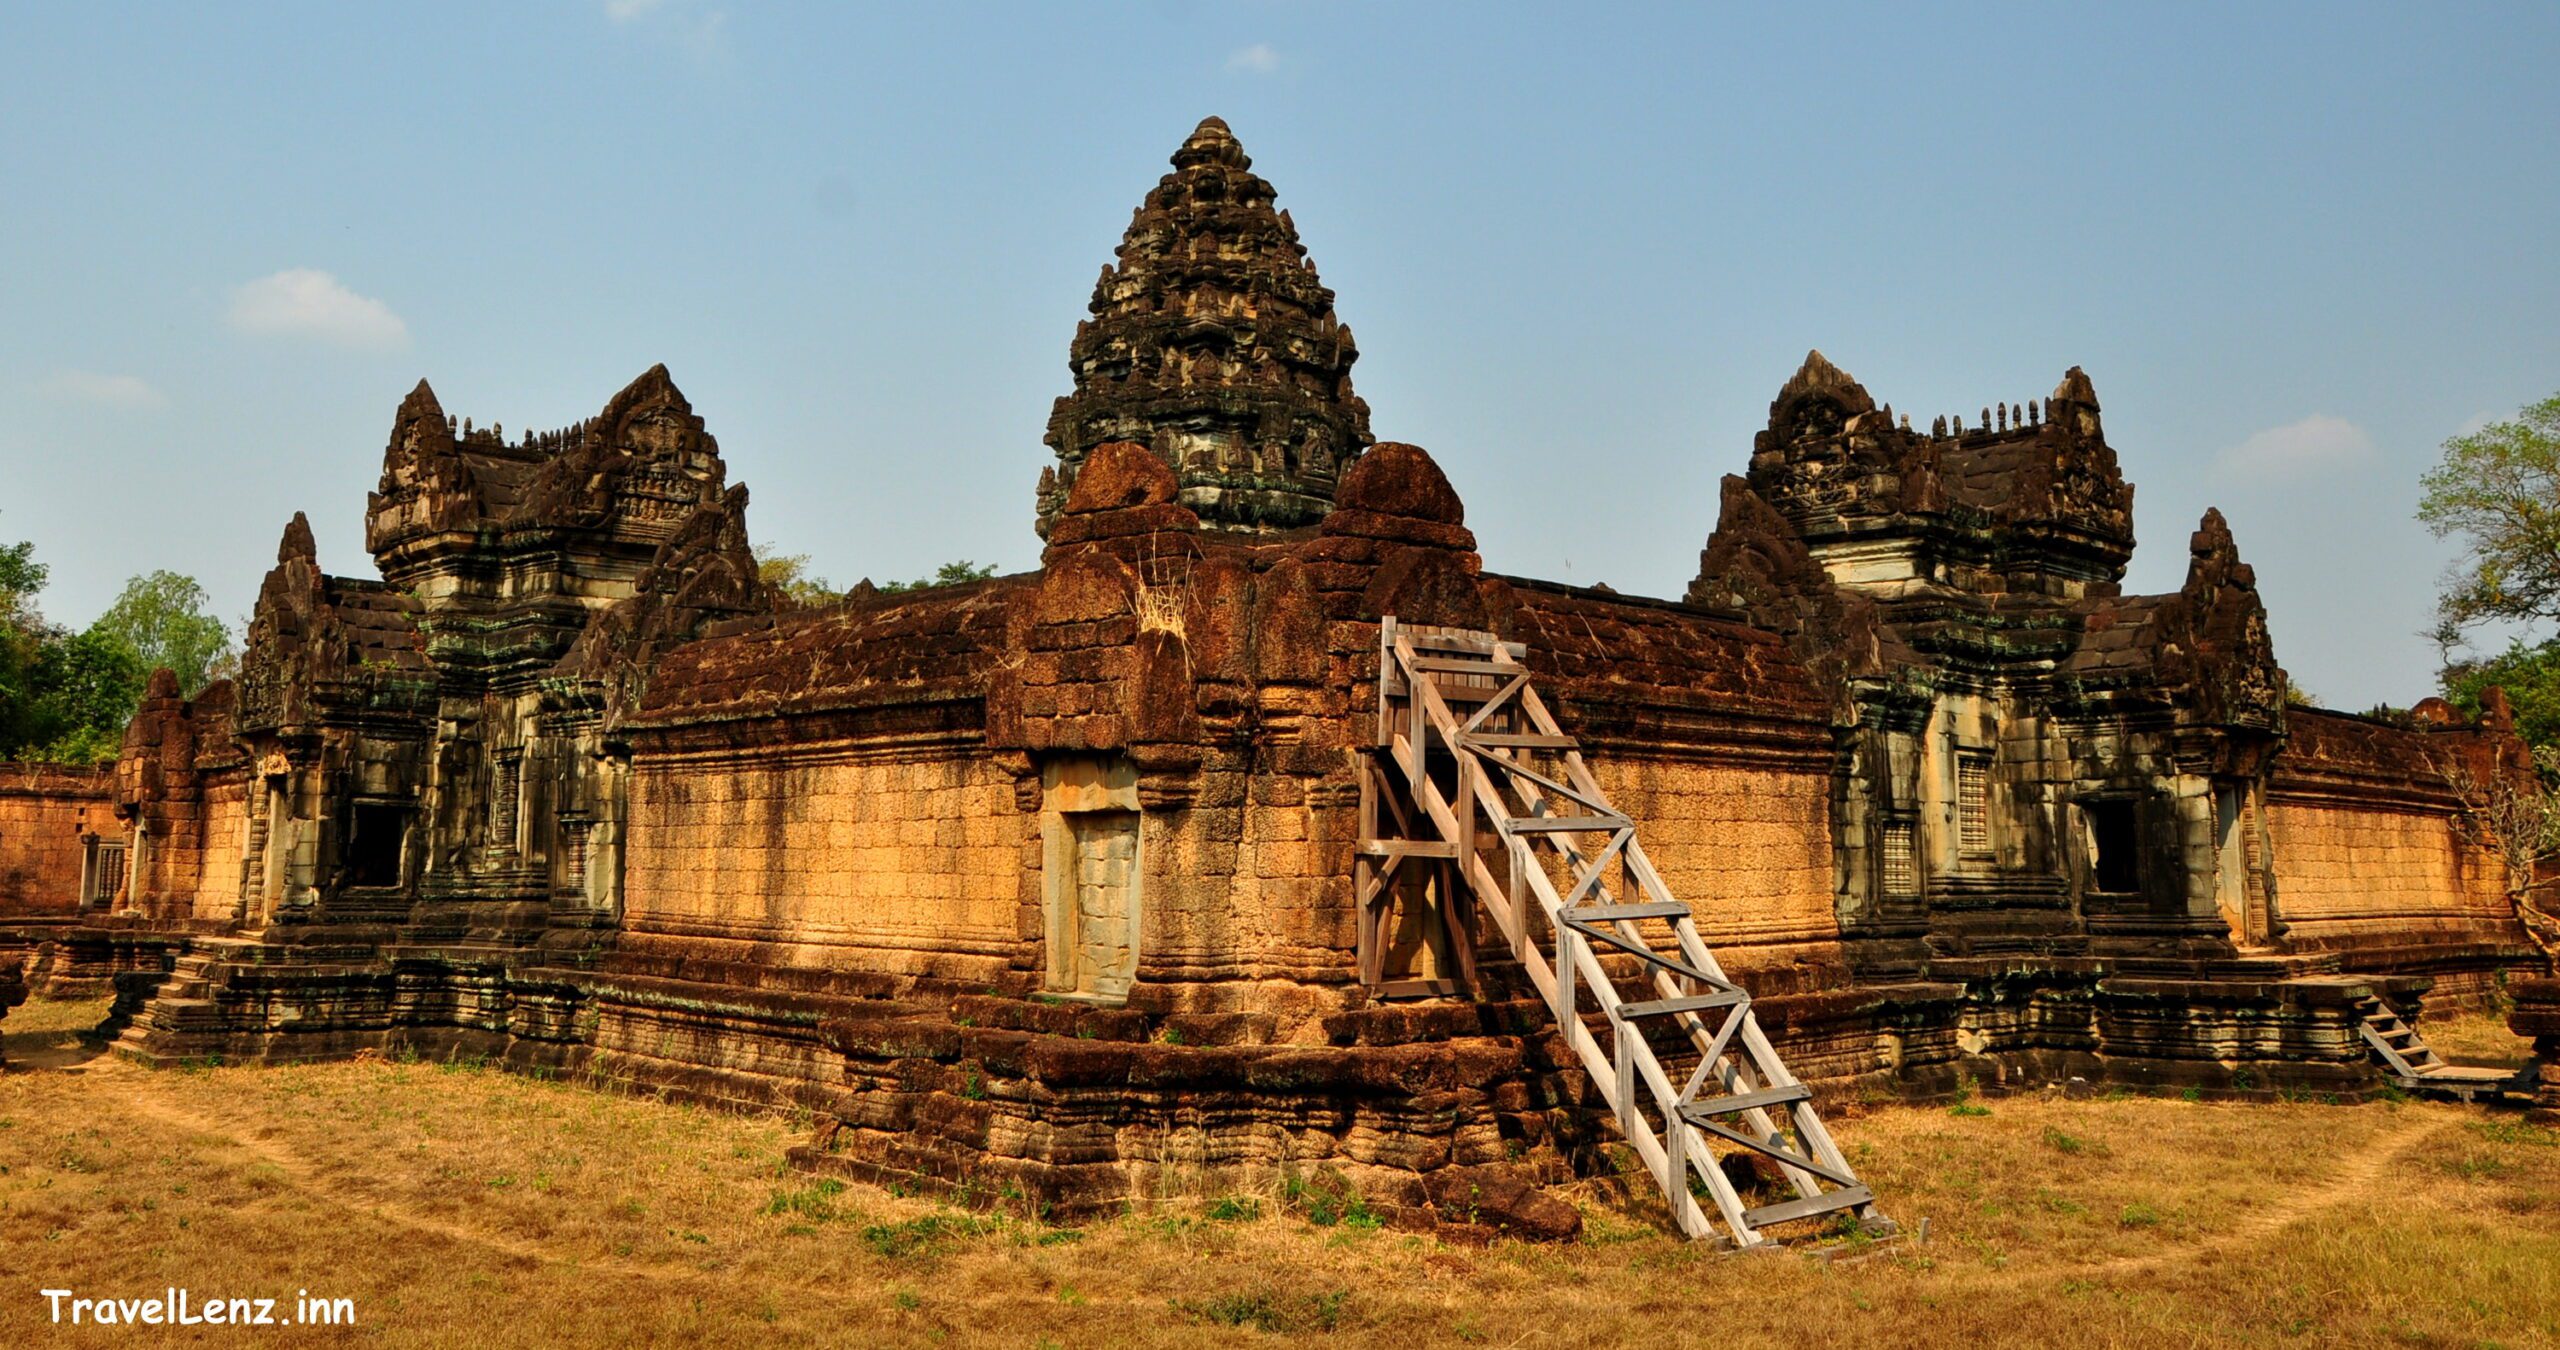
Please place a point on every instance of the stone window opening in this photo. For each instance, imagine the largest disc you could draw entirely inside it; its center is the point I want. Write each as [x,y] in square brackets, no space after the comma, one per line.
[1900,862]
[1973,805]
[2115,846]
[102,872]
[376,832]
[506,789]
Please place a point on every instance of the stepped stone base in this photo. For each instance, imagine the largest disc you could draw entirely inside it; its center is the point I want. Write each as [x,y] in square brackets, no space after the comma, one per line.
[2537,1015]
[69,961]
[1078,1109]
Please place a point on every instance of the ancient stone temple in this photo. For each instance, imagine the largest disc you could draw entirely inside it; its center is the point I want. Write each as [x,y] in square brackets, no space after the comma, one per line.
[1055,881]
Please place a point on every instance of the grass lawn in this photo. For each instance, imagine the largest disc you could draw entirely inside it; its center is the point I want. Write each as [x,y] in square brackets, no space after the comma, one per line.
[457,1205]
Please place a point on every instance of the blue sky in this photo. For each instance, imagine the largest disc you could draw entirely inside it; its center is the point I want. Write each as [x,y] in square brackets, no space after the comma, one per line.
[2296,248]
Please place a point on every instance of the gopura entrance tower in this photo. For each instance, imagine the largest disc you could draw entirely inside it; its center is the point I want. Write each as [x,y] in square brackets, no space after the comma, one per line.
[1214,345]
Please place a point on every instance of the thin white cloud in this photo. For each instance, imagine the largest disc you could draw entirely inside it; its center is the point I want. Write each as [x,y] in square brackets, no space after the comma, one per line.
[1258,59]
[2315,444]
[308,303]
[110,391]
[685,24]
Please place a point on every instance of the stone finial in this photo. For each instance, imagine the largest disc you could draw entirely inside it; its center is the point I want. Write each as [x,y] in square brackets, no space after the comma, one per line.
[2075,403]
[653,386]
[2004,417]
[421,402]
[1395,479]
[298,545]
[1121,491]
[2212,536]
[1211,143]
[163,685]
[1986,419]
[1396,492]
[1121,474]
[2076,388]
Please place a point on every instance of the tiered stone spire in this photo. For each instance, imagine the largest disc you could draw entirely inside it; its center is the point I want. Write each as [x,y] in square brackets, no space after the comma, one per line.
[1214,345]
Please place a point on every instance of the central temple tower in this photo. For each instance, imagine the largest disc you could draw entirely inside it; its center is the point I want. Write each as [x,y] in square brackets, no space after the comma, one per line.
[1214,345]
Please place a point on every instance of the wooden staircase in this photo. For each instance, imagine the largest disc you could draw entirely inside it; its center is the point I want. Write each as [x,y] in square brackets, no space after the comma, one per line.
[2414,1067]
[1475,798]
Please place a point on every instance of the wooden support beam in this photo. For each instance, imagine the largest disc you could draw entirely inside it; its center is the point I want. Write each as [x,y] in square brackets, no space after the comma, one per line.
[1807,1207]
[1749,1101]
[1554,824]
[1401,849]
[1667,1007]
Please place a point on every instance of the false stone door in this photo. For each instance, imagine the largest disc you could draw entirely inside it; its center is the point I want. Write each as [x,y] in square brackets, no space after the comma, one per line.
[1102,946]
[1092,876]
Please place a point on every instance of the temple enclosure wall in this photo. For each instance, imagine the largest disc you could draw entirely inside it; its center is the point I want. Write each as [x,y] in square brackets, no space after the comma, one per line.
[2379,854]
[1749,848]
[900,860]
[48,815]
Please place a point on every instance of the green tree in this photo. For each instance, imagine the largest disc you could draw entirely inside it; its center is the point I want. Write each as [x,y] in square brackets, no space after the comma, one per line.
[2498,491]
[789,573]
[86,687]
[166,620]
[65,695]
[949,574]
[2530,675]
[21,576]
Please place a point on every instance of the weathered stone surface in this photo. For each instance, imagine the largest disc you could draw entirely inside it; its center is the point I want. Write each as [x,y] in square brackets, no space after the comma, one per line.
[1504,1198]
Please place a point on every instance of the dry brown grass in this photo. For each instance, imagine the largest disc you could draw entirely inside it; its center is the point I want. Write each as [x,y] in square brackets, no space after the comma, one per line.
[456,1205]
[2477,1039]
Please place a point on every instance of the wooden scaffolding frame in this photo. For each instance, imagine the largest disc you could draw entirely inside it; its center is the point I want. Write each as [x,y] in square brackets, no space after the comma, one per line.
[1497,801]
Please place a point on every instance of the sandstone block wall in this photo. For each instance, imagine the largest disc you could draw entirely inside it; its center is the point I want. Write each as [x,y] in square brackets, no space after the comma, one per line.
[2366,875]
[45,812]
[903,861]
[2377,854]
[225,815]
[1749,848]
